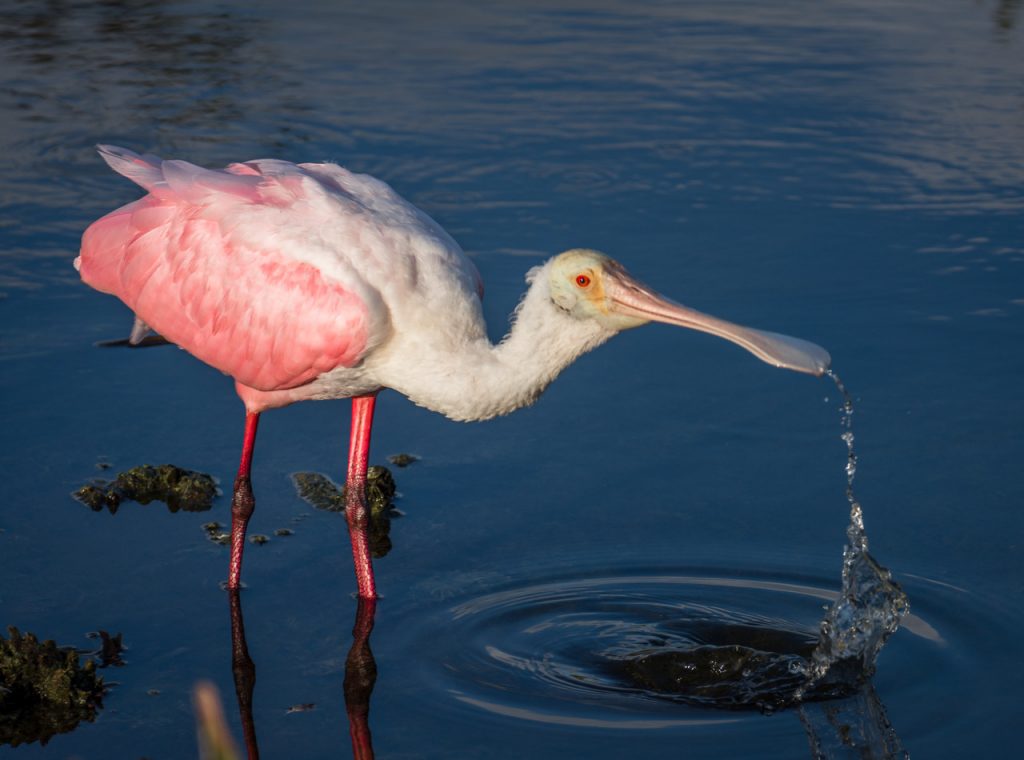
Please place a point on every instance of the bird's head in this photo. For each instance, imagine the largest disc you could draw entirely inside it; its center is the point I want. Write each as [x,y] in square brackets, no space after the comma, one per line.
[589,285]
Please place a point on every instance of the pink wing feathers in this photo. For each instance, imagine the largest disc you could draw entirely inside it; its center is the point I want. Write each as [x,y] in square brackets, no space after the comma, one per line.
[203,261]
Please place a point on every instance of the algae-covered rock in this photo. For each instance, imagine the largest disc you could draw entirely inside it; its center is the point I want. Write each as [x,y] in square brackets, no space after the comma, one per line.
[215,532]
[43,689]
[403,460]
[380,489]
[319,490]
[176,487]
[322,493]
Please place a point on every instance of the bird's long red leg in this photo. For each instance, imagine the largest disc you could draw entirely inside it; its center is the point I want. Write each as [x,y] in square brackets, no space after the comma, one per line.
[355,487]
[242,503]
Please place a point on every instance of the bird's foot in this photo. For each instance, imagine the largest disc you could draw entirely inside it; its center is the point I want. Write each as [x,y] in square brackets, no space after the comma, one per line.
[242,506]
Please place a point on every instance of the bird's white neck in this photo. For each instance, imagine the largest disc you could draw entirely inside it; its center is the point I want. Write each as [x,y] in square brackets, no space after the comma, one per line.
[483,380]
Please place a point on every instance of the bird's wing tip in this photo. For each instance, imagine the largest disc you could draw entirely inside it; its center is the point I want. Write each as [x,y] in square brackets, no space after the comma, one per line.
[144,169]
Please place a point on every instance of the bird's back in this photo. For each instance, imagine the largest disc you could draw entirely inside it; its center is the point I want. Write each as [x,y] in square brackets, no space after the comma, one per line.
[272,272]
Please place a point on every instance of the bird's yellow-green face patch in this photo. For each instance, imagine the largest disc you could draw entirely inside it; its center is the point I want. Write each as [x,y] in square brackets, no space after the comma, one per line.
[578,283]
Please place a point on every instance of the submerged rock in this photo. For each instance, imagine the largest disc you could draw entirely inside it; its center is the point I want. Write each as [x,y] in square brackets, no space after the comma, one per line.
[43,689]
[323,493]
[215,532]
[403,460]
[729,676]
[178,488]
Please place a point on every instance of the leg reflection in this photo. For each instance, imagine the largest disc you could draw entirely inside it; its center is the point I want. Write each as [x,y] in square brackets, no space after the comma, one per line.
[360,676]
[244,671]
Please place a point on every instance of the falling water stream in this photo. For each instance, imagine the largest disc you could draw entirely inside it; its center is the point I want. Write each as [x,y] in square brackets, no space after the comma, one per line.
[870,604]
[780,671]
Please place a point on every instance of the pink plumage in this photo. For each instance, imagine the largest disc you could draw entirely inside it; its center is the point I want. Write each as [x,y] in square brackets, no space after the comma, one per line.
[177,259]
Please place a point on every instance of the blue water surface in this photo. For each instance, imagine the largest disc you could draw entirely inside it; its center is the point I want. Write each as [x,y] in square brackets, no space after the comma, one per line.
[847,171]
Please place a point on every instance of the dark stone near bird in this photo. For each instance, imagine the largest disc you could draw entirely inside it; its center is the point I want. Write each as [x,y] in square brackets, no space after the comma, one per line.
[43,689]
[718,676]
[380,489]
[736,677]
[323,493]
[284,532]
[259,539]
[215,532]
[178,488]
[403,460]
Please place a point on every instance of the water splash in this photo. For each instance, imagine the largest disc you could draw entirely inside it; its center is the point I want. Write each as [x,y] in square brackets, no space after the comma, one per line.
[870,604]
[735,672]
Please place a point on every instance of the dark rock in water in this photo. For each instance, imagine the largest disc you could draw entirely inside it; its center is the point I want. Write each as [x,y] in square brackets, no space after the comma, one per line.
[730,676]
[215,532]
[403,460]
[43,689]
[178,488]
[322,493]
[380,489]
[717,676]
[319,491]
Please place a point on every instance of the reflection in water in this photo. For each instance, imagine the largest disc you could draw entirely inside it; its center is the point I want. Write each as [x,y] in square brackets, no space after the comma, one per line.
[143,47]
[360,677]
[856,727]
[244,671]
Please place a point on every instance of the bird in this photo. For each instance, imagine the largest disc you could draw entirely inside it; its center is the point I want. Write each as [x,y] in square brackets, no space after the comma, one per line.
[308,281]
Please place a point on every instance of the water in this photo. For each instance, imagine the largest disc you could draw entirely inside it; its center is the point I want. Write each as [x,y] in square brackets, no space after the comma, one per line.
[870,604]
[753,663]
[847,172]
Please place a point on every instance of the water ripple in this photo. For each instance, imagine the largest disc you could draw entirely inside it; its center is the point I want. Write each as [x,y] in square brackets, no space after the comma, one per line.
[565,650]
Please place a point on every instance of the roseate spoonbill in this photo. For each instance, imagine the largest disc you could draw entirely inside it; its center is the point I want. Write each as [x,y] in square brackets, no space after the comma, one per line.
[306,281]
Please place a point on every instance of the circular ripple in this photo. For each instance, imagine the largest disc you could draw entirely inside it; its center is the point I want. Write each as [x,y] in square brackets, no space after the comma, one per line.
[571,651]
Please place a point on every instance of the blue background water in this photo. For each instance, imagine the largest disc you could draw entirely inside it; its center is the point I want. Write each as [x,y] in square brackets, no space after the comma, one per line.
[849,172]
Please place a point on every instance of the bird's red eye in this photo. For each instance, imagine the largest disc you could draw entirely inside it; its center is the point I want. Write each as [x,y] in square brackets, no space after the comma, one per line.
[582,280]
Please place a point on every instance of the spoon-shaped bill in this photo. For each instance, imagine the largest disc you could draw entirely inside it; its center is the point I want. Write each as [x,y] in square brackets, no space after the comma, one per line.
[629,297]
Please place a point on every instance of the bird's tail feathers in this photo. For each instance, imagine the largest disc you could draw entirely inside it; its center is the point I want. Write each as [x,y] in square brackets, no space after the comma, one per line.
[143,170]
[179,178]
